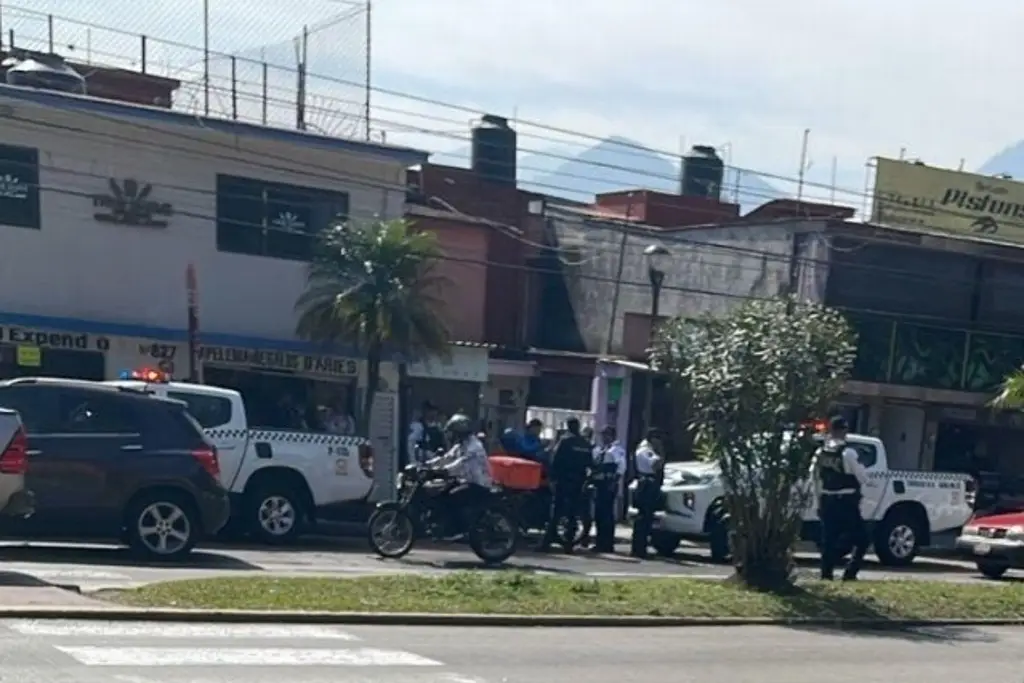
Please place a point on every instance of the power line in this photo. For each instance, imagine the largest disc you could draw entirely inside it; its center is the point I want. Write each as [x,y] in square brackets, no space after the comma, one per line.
[363,181]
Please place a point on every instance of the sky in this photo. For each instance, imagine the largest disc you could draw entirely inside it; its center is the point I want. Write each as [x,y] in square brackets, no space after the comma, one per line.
[935,78]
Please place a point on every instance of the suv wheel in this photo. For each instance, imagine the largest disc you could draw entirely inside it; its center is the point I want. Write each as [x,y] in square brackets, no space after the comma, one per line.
[162,526]
[274,513]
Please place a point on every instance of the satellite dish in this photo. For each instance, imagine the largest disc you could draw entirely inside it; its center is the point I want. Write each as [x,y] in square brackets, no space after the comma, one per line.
[45,74]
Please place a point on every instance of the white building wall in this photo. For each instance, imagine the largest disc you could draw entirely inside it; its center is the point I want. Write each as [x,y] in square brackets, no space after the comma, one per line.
[76,267]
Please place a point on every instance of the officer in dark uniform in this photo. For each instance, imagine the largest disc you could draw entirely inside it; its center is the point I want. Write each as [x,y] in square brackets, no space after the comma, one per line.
[570,466]
[839,479]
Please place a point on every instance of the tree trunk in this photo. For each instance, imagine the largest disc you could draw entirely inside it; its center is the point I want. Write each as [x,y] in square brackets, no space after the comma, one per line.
[404,456]
[372,385]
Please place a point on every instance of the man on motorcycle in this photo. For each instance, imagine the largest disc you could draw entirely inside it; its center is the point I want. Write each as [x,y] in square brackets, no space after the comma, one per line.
[467,463]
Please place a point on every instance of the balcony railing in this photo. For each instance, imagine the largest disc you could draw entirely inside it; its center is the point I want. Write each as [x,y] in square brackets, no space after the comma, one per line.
[915,354]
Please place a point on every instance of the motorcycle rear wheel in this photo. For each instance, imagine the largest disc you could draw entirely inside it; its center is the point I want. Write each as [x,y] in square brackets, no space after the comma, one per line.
[391,531]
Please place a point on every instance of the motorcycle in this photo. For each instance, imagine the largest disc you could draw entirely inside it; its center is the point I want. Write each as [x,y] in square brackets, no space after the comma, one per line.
[423,510]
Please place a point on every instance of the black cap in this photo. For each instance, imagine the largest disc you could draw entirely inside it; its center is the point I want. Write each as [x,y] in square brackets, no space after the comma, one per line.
[609,429]
[573,424]
[534,423]
[838,424]
[654,433]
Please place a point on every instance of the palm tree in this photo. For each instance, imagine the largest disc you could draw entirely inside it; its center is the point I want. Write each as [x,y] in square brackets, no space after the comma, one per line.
[1011,394]
[374,285]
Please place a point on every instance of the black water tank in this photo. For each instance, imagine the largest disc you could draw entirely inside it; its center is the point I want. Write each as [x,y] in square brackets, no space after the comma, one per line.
[44,72]
[703,172]
[494,150]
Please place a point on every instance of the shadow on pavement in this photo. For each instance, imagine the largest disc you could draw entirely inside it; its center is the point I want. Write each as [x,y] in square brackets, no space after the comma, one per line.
[471,565]
[20,580]
[920,566]
[115,556]
[801,605]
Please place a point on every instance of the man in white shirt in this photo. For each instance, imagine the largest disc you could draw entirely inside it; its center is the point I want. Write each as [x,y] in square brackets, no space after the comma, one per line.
[839,479]
[609,469]
[649,463]
[467,463]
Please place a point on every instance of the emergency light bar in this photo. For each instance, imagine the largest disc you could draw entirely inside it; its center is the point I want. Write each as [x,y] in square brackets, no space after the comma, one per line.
[146,375]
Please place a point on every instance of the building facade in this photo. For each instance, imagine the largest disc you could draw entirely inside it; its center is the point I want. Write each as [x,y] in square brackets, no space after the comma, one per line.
[105,206]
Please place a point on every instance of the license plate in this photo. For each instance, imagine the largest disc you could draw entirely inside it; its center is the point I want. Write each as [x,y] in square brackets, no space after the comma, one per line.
[982,549]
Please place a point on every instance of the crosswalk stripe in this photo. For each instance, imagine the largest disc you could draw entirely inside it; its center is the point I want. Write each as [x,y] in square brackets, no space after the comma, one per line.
[170,630]
[183,656]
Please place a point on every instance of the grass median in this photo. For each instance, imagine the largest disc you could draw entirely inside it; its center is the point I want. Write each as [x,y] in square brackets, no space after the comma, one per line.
[516,593]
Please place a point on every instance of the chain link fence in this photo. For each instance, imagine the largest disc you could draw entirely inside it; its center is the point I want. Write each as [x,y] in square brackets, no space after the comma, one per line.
[251,71]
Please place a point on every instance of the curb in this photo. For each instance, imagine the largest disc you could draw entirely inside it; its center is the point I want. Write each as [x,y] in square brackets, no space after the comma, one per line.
[494,620]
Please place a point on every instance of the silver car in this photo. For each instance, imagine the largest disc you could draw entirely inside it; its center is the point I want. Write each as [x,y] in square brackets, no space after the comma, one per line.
[15,501]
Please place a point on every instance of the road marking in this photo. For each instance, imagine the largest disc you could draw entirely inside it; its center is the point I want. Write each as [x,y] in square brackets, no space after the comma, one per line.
[184,656]
[150,629]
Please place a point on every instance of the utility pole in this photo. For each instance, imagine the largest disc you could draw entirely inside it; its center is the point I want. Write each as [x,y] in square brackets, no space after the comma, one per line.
[803,166]
[206,57]
[369,63]
[302,52]
[618,276]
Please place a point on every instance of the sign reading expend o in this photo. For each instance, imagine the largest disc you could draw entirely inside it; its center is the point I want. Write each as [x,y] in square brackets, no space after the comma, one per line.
[54,340]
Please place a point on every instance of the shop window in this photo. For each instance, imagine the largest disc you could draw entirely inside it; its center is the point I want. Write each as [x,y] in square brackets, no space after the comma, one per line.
[208,411]
[19,186]
[90,365]
[278,220]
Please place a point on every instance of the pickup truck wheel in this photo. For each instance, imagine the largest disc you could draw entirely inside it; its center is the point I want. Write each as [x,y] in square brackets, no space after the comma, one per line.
[897,540]
[274,513]
[992,570]
[718,540]
[162,526]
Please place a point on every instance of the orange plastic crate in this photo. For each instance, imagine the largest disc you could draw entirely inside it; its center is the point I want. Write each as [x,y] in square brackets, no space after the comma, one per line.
[516,473]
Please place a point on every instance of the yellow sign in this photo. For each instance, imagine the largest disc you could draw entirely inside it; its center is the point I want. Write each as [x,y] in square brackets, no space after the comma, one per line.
[30,356]
[913,195]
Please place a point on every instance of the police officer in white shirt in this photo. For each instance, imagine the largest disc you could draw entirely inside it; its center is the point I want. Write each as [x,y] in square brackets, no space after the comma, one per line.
[609,469]
[838,480]
[649,469]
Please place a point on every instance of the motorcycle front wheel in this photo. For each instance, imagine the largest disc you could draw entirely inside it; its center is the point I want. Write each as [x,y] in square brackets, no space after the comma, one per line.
[391,531]
[494,535]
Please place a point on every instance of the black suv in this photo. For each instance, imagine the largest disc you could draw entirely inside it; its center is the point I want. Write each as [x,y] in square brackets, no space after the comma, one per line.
[112,462]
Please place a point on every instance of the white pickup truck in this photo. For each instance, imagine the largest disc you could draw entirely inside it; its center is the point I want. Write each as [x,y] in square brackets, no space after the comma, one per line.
[279,480]
[904,508]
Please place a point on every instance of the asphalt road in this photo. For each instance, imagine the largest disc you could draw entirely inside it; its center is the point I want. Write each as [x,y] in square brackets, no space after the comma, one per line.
[97,567]
[94,652]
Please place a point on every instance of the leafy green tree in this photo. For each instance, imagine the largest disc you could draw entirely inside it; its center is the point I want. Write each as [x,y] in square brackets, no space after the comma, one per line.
[751,377]
[375,285]
[1011,393]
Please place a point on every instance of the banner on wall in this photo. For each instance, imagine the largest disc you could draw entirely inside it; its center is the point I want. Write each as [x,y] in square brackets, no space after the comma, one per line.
[910,194]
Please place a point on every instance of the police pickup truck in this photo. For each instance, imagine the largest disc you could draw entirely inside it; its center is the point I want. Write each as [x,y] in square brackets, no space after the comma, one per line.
[903,508]
[279,480]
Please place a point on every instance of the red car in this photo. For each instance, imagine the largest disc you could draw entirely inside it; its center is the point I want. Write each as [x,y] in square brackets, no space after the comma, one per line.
[995,542]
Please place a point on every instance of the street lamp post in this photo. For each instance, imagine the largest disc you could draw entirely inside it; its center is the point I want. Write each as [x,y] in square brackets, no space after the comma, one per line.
[657,257]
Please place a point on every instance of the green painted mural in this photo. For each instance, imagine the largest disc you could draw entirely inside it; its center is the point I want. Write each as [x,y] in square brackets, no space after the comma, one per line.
[935,357]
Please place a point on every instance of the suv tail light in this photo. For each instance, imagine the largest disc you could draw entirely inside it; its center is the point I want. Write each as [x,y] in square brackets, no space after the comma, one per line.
[366,460]
[207,457]
[14,459]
